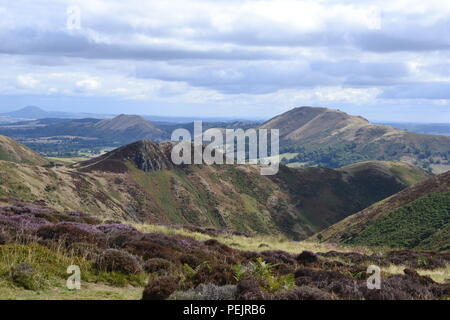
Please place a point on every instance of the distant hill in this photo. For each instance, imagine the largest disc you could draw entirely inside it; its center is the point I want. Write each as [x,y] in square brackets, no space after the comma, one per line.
[139,182]
[128,127]
[427,128]
[326,196]
[417,217]
[11,150]
[33,113]
[332,138]
[67,137]
[146,155]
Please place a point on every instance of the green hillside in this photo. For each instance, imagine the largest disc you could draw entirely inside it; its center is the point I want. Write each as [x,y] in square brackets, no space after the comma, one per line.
[416,217]
[332,138]
[423,223]
[139,183]
[11,150]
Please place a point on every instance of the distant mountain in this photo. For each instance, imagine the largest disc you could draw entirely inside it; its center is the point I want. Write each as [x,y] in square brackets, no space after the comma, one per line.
[139,182]
[417,217]
[11,150]
[129,127]
[184,120]
[332,138]
[427,128]
[52,135]
[33,112]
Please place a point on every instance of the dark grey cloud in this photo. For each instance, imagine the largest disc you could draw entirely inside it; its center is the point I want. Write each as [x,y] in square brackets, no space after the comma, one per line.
[383,42]
[27,41]
[407,34]
[265,77]
[430,91]
[354,72]
[253,78]
[241,51]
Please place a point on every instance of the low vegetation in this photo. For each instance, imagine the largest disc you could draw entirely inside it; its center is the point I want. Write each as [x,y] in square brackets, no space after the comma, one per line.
[417,217]
[412,226]
[173,262]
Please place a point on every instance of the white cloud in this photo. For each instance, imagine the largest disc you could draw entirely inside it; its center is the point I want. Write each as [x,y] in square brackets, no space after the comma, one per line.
[89,84]
[254,53]
[27,81]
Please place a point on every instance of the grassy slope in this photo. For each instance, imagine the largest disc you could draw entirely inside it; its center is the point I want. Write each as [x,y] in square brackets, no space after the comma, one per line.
[325,196]
[227,196]
[423,223]
[333,138]
[49,279]
[52,266]
[419,214]
[296,202]
[11,150]
[403,172]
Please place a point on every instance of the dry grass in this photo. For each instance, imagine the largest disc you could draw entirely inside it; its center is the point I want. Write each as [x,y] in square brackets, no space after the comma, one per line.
[48,280]
[255,243]
[440,275]
[90,291]
[261,243]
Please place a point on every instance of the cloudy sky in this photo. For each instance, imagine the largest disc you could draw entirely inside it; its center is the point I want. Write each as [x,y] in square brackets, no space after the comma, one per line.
[385,60]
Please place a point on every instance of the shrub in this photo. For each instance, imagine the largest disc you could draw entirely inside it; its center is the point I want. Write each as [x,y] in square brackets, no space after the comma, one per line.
[214,273]
[149,249]
[248,289]
[303,293]
[158,265]
[117,227]
[218,246]
[119,261]
[307,257]
[331,281]
[4,238]
[22,275]
[277,256]
[191,260]
[69,232]
[84,250]
[119,239]
[160,288]
[206,292]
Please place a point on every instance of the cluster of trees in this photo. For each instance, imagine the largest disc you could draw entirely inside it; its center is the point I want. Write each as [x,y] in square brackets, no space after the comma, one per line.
[70,147]
[345,154]
[330,157]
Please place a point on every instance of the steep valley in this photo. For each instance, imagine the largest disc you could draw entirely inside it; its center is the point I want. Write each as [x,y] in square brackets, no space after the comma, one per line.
[139,183]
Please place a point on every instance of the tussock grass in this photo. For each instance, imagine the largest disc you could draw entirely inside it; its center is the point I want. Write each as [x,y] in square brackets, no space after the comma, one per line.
[49,266]
[440,275]
[49,276]
[261,243]
[256,243]
[91,291]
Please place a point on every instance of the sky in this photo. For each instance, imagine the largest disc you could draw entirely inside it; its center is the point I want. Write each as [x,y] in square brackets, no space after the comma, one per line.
[384,60]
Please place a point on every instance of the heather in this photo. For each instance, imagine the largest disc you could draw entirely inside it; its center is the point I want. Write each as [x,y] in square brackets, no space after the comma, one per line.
[37,244]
